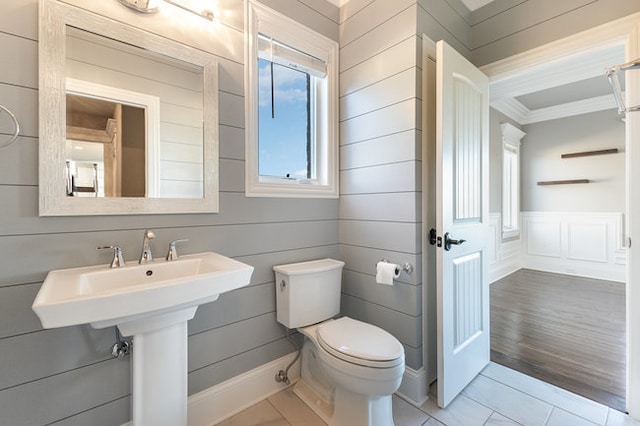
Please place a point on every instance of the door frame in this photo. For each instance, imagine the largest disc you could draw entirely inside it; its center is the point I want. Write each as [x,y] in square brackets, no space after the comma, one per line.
[623,32]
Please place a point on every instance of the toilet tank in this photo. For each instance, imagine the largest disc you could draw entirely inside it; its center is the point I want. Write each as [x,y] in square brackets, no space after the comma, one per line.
[308,292]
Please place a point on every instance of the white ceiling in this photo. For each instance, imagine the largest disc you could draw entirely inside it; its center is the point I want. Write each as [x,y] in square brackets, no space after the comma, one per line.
[573,85]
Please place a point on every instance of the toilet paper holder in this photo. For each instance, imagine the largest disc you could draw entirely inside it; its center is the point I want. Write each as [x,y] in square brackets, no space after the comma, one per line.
[407,267]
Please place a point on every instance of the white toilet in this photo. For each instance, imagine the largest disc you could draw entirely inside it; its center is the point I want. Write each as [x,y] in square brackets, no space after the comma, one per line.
[350,369]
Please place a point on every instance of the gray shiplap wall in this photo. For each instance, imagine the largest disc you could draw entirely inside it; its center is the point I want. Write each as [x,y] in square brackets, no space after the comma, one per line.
[381,155]
[66,376]
[506,27]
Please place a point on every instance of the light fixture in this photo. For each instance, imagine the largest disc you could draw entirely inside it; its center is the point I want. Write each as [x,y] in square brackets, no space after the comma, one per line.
[150,6]
[143,6]
[193,6]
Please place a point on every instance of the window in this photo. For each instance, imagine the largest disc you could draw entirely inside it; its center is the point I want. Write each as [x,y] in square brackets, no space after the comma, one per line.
[291,108]
[511,136]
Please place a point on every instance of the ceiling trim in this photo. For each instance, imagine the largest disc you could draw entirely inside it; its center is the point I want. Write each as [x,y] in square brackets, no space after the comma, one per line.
[586,106]
[570,69]
[522,115]
[513,109]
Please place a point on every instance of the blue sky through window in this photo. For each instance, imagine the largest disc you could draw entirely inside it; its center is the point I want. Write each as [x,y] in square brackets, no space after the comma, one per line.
[283,139]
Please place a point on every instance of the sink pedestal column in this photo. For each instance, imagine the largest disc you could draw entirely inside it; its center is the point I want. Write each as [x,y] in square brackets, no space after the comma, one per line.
[159,368]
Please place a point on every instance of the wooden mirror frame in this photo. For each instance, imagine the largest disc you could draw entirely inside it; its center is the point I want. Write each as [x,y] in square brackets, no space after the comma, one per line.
[53,21]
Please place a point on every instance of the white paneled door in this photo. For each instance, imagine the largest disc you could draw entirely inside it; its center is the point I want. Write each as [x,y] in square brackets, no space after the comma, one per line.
[462,218]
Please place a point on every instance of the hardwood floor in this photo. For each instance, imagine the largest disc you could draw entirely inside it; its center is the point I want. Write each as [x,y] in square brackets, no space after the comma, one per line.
[564,330]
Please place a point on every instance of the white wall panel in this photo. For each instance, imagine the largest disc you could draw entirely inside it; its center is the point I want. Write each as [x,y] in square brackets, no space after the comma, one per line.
[542,237]
[504,256]
[588,242]
[584,244]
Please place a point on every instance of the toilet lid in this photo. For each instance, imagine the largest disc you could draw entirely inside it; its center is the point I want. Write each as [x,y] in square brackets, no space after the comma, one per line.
[360,343]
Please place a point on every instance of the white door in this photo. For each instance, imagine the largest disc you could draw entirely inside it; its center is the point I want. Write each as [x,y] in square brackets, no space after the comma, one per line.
[462,213]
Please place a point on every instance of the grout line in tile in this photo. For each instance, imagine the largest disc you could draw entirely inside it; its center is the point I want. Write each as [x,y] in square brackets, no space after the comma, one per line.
[279,412]
[508,384]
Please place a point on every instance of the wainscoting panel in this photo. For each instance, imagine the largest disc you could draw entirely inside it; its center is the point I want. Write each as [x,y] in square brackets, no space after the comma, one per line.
[543,237]
[588,242]
[583,244]
[504,255]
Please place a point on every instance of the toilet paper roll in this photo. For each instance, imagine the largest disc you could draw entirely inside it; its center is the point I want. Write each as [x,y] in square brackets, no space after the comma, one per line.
[386,272]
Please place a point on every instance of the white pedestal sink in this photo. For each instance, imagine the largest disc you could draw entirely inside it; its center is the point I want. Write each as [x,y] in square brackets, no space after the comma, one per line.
[151,302]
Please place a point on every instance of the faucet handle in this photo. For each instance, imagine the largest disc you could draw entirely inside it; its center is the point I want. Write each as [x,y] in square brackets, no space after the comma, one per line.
[118,260]
[172,254]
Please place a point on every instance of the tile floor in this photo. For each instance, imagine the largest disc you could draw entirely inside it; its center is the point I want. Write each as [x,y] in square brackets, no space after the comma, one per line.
[497,397]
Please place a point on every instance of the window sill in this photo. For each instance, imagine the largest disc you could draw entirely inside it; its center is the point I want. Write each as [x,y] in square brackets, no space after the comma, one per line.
[293,189]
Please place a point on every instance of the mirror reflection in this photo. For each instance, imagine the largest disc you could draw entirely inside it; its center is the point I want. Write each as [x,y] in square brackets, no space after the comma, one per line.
[134,121]
[105,148]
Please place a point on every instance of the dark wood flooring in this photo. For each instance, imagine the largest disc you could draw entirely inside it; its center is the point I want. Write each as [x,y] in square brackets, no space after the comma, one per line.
[564,330]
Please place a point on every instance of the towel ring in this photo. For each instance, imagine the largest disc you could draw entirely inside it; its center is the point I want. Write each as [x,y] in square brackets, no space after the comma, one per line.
[16,124]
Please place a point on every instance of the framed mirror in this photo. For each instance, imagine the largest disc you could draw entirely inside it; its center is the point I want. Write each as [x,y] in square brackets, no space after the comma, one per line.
[128,119]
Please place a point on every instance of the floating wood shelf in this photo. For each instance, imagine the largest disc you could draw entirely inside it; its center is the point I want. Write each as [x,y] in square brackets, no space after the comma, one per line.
[589,153]
[563,182]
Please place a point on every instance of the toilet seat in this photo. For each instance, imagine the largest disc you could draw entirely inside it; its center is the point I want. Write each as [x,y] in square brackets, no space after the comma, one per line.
[360,343]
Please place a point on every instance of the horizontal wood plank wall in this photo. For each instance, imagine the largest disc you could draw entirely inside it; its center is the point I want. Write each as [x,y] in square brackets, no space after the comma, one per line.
[507,27]
[66,376]
[380,155]
[583,244]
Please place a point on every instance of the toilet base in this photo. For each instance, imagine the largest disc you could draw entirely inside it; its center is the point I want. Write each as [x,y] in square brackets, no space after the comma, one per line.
[347,408]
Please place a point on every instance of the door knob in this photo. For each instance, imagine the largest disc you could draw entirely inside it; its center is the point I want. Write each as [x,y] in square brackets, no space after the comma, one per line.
[448,242]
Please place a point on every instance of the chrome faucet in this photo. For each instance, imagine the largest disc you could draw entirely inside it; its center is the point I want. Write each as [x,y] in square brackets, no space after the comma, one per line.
[146,255]
[118,260]
[172,254]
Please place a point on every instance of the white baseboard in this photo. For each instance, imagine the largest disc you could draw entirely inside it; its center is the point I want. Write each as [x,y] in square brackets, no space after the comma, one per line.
[230,397]
[414,388]
[221,401]
[238,393]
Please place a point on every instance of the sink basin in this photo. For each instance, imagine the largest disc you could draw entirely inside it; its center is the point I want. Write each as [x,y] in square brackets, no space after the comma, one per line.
[104,296]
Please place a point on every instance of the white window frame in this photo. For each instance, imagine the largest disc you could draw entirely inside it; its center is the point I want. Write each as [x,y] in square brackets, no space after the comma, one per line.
[511,137]
[261,19]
